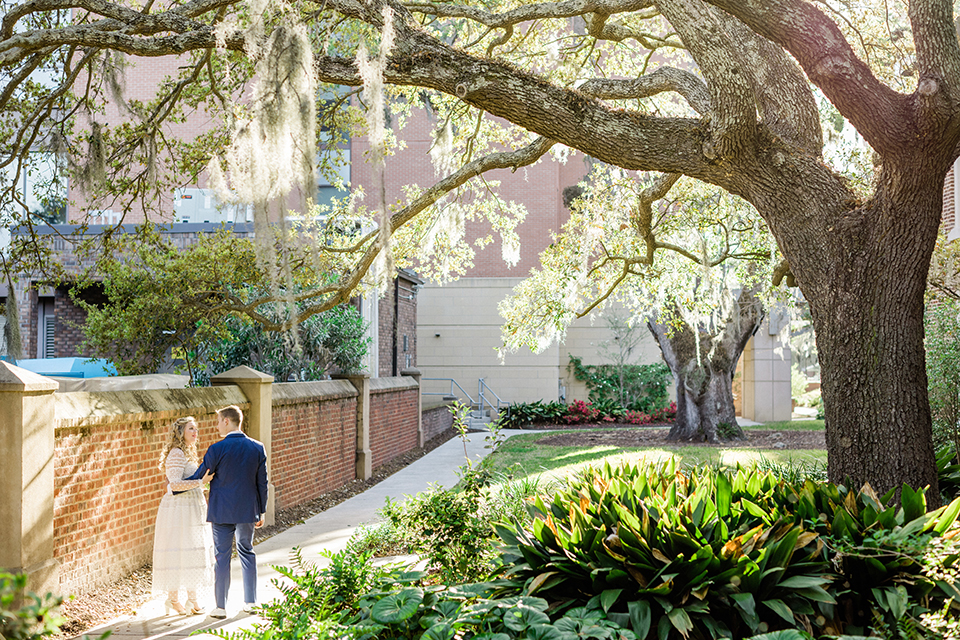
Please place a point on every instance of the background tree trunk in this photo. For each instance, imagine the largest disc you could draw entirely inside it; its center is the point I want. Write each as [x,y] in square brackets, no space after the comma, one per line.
[704,370]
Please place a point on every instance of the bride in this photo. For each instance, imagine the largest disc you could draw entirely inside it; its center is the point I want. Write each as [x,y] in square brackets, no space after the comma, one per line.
[183,541]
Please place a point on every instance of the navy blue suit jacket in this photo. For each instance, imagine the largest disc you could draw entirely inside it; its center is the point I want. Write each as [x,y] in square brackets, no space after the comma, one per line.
[238,490]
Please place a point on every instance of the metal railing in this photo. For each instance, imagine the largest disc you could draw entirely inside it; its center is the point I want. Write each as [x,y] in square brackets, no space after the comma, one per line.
[483,390]
[453,383]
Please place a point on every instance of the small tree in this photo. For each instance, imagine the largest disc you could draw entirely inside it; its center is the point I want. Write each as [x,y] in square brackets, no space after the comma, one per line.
[164,302]
[620,349]
[689,258]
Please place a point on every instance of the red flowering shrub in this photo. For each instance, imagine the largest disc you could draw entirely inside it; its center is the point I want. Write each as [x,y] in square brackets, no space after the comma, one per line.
[666,414]
[580,412]
[637,417]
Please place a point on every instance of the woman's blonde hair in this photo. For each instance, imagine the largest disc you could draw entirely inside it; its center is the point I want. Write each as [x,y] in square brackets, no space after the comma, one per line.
[177,441]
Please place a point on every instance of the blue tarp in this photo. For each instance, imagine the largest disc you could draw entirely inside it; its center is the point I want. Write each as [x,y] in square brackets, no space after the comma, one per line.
[69,367]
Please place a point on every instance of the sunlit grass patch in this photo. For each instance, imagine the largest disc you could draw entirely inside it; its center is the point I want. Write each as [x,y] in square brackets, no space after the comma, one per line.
[521,457]
[790,425]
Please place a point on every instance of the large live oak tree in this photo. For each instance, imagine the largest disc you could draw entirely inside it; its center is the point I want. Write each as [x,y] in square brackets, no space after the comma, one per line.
[861,262]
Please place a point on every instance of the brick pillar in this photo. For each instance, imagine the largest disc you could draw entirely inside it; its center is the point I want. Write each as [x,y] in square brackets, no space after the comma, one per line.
[415,374]
[361,383]
[27,421]
[257,419]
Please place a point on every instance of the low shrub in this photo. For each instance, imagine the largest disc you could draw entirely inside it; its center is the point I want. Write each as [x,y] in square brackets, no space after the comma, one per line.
[526,413]
[449,528]
[581,412]
[637,552]
[711,554]
[24,615]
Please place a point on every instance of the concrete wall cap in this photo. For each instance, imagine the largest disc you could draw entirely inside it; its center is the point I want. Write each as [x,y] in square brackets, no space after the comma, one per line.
[380,385]
[436,405]
[319,390]
[350,376]
[244,373]
[14,378]
[98,407]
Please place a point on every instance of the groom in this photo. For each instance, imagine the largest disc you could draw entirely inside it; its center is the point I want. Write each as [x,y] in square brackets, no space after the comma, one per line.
[238,500]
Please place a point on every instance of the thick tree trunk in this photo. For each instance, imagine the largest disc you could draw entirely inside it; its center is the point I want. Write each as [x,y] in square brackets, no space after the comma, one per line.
[869,324]
[704,368]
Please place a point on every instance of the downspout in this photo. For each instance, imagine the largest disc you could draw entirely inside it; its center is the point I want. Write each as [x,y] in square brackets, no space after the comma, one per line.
[396,321]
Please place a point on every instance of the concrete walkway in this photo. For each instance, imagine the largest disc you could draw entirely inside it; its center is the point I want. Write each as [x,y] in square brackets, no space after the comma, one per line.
[328,530]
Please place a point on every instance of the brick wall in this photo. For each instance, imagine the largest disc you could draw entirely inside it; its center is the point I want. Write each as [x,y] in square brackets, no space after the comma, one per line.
[70,321]
[107,484]
[394,403]
[107,489]
[398,328]
[436,420]
[314,439]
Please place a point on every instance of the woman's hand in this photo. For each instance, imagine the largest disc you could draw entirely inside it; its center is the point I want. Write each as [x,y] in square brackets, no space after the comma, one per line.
[207,476]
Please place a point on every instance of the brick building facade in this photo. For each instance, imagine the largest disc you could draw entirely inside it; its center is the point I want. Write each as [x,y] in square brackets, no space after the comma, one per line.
[51,324]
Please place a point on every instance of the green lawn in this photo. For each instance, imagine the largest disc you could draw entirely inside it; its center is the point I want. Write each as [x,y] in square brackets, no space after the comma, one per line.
[791,425]
[521,456]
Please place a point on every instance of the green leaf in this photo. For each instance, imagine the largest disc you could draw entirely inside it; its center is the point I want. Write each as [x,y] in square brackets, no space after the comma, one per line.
[913,503]
[521,617]
[746,602]
[663,628]
[680,621]
[754,509]
[543,632]
[817,594]
[442,631]
[948,517]
[786,634]
[780,608]
[803,582]
[397,607]
[609,598]
[640,617]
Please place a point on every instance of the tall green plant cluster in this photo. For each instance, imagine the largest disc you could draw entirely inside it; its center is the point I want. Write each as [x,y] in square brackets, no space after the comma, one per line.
[333,340]
[450,528]
[712,554]
[942,330]
[637,387]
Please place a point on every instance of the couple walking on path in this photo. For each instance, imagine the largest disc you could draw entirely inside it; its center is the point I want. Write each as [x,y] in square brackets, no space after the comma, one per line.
[188,553]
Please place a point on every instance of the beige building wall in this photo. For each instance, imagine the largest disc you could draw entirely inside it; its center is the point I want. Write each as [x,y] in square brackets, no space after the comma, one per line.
[766,374]
[458,330]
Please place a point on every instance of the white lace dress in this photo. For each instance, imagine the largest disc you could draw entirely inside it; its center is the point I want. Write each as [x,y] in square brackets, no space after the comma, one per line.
[183,542]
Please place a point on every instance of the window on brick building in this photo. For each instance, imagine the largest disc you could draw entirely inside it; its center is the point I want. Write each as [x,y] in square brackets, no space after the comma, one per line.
[333,156]
[41,186]
[46,327]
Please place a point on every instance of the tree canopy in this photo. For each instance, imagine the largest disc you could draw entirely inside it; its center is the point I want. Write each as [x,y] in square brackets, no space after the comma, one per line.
[591,75]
